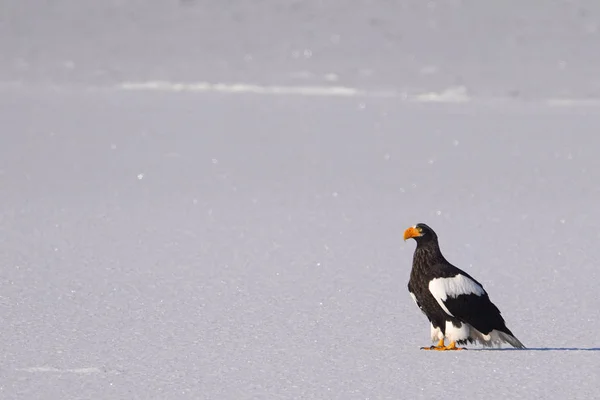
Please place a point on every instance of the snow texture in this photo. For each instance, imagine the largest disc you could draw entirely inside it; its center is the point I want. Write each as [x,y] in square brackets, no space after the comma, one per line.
[206,200]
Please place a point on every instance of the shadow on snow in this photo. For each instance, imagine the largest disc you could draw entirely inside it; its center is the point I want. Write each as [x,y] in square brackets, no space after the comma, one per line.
[544,349]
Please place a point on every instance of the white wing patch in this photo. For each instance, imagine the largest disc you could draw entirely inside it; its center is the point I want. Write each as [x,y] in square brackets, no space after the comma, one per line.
[442,288]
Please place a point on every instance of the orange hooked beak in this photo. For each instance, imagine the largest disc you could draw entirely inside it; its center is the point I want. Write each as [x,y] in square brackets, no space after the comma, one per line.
[411,232]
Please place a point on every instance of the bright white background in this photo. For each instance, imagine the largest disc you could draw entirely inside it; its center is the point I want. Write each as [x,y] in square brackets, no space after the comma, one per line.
[244,241]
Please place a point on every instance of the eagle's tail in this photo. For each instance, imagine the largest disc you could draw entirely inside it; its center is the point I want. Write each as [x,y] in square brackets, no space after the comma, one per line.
[495,338]
[511,339]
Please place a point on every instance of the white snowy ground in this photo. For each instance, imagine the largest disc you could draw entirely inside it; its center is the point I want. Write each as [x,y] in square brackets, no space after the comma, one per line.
[164,241]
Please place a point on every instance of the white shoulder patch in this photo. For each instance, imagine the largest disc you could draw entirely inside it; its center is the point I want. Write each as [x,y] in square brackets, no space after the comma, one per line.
[442,288]
[416,302]
[413,297]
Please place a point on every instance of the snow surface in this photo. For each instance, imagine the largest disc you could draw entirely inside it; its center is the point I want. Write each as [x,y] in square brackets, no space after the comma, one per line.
[234,233]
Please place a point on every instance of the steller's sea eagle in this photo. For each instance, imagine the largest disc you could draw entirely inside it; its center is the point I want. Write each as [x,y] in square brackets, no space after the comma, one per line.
[457,306]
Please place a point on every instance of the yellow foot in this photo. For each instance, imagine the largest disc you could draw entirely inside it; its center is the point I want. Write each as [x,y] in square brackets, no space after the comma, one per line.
[439,346]
[452,346]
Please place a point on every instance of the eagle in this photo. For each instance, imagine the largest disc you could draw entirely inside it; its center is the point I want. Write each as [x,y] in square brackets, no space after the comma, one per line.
[457,306]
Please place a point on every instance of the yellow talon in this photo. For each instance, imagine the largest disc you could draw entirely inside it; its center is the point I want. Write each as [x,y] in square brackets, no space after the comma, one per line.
[452,346]
[439,346]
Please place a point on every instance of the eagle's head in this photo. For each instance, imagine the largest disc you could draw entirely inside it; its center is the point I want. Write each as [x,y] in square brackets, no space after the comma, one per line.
[421,233]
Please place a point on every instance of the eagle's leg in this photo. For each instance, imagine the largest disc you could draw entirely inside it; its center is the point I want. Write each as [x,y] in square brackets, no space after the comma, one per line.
[439,346]
[452,346]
